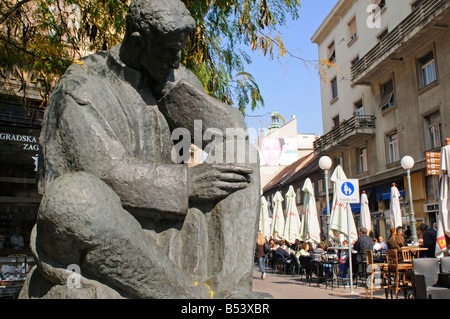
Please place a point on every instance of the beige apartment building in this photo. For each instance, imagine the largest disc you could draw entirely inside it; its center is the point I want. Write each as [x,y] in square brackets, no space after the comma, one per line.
[388,96]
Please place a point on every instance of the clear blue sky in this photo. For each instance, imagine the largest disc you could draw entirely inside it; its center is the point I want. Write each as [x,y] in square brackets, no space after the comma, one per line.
[287,85]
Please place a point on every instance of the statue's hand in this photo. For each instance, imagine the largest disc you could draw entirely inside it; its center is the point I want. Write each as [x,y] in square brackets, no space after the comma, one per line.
[212,182]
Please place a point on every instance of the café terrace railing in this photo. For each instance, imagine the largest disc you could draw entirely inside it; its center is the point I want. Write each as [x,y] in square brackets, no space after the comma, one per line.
[354,125]
[395,36]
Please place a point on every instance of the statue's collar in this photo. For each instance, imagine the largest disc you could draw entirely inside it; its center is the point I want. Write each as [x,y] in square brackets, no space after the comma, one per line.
[123,71]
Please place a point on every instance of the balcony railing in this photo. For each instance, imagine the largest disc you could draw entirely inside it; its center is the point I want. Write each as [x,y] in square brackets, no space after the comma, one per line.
[356,124]
[395,37]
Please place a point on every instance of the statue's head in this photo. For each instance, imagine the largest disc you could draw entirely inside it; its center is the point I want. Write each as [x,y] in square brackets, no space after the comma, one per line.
[156,33]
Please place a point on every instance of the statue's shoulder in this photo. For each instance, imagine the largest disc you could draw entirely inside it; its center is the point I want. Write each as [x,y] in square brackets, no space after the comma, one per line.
[82,76]
[183,73]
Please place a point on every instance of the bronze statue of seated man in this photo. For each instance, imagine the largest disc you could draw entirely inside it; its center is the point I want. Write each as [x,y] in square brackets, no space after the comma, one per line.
[117,205]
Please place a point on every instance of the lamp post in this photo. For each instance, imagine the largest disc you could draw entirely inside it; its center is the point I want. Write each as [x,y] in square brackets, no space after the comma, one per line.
[408,163]
[325,165]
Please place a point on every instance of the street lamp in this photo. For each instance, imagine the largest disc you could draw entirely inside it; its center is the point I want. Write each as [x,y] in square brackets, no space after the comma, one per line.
[408,163]
[325,165]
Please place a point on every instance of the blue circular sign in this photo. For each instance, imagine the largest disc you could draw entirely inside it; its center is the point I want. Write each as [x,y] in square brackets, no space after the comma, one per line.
[347,189]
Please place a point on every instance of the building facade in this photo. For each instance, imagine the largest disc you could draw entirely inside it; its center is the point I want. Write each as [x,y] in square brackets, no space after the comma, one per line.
[281,146]
[387,96]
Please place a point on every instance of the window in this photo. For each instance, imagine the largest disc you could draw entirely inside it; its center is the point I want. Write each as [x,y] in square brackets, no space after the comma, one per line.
[387,95]
[352,29]
[299,195]
[334,88]
[331,52]
[335,121]
[320,185]
[392,147]
[354,61]
[379,5]
[362,159]
[434,138]
[359,108]
[338,161]
[427,70]
[383,35]
[416,4]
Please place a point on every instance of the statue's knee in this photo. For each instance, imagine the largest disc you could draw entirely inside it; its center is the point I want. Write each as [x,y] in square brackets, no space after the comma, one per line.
[71,215]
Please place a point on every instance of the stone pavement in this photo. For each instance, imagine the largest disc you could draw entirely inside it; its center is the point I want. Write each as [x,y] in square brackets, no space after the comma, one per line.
[296,287]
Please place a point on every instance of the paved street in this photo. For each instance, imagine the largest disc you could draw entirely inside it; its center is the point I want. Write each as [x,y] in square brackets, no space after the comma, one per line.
[295,287]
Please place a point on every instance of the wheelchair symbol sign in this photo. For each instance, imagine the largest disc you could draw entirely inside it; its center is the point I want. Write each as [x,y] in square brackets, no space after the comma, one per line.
[348,191]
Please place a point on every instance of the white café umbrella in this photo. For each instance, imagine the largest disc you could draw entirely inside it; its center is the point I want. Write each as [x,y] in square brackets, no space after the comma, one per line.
[292,224]
[339,229]
[342,224]
[366,221]
[395,212]
[309,225]
[264,218]
[442,218]
[277,229]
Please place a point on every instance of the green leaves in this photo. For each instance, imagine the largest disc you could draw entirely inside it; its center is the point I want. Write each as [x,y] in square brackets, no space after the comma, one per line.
[45,36]
[222,25]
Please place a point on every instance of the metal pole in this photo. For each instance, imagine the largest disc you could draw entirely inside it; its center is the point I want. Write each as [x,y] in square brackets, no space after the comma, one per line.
[328,207]
[349,249]
[412,219]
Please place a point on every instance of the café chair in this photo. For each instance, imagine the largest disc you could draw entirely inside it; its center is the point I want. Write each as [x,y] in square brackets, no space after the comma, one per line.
[280,263]
[445,264]
[375,271]
[406,256]
[308,266]
[398,275]
[429,283]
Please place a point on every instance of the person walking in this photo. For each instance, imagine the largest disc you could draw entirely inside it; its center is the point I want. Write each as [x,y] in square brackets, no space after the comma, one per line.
[429,240]
[261,253]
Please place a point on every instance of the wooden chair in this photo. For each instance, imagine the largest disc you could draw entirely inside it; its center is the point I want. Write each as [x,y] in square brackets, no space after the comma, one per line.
[373,271]
[399,274]
[406,255]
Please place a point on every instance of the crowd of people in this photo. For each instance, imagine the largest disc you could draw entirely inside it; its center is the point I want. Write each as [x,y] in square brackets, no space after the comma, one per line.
[267,250]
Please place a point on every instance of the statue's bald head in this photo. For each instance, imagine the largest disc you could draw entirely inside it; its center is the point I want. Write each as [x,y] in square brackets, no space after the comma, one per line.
[162,17]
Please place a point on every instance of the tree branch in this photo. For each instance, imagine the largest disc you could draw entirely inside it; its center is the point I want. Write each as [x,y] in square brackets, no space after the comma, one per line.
[13,9]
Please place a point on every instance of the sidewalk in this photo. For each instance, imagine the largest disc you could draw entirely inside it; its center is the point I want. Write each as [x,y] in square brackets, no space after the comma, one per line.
[295,287]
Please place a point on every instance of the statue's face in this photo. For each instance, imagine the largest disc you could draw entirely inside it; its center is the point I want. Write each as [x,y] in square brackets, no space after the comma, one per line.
[161,54]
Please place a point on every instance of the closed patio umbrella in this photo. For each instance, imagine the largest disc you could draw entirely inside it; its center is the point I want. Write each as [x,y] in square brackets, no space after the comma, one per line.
[309,225]
[342,224]
[395,212]
[264,219]
[366,221]
[443,224]
[277,229]
[292,224]
[339,228]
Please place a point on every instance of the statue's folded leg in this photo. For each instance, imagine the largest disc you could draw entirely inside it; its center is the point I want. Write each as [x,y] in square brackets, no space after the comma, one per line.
[232,231]
[81,222]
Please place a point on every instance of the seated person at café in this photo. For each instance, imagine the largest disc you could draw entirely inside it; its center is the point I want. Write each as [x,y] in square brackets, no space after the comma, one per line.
[318,254]
[304,250]
[289,257]
[397,241]
[381,245]
[363,243]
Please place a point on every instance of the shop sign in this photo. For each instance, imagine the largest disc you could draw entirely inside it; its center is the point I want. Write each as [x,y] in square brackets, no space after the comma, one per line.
[19,149]
[433,162]
[433,207]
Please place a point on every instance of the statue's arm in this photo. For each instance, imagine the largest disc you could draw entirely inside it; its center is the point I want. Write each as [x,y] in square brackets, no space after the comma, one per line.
[183,101]
[97,150]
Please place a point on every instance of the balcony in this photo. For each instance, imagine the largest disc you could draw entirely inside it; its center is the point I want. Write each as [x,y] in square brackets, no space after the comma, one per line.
[351,131]
[423,23]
